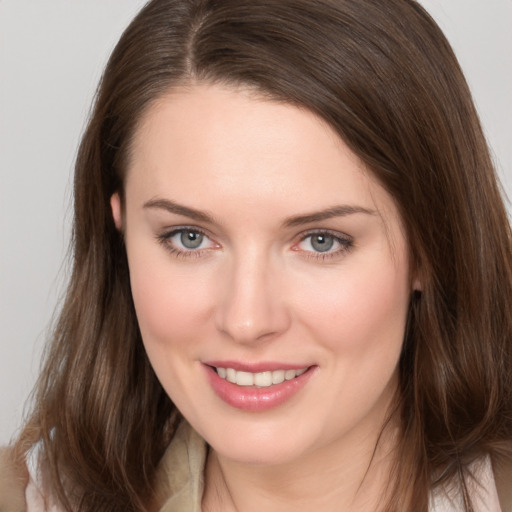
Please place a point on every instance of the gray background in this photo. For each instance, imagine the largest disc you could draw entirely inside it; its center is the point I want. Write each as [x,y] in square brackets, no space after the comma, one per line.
[51,56]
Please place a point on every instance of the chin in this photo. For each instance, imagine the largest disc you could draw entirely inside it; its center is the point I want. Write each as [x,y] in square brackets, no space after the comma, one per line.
[259,444]
[257,455]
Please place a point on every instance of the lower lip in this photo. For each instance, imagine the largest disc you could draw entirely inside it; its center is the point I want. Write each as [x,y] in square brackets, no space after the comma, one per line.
[255,399]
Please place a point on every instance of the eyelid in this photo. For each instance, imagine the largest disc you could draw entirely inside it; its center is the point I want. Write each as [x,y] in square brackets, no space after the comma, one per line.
[346,242]
[338,235]
[166,235]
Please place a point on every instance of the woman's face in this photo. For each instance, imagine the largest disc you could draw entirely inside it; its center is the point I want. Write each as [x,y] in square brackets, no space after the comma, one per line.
[261,250]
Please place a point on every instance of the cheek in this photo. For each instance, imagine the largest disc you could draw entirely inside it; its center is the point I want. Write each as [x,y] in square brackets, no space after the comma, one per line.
[171,304]
[360,310]
[360,324]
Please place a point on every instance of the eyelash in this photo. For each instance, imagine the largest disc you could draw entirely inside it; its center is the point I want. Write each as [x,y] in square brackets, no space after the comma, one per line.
[165,240]
[346,244]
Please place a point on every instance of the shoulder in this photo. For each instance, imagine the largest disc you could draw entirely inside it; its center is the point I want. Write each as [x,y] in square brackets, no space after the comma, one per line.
[503,478]
[14,479]
[488,482]
[21,482]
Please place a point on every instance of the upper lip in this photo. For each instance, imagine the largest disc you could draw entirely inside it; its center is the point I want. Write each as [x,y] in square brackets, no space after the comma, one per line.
[262,366]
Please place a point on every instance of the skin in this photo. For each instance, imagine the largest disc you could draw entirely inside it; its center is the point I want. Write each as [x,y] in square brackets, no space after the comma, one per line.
[257,289]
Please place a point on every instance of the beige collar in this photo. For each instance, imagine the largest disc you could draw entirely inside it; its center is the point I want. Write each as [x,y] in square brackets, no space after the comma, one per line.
[180,473]
[180,479]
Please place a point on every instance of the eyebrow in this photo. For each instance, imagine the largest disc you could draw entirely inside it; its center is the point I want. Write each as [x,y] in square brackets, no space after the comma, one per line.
[298,220]
[329,213]
[179,209]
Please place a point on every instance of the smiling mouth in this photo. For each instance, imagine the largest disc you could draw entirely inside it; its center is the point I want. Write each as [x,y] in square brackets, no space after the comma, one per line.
[271,385]
[260,379]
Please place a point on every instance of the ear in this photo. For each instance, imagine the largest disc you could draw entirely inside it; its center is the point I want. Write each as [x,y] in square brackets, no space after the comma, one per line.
[117,210]
[416,275]
[417,285]
[417,280]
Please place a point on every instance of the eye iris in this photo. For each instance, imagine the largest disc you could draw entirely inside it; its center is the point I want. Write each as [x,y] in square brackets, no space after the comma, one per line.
[322,243]
[191,239]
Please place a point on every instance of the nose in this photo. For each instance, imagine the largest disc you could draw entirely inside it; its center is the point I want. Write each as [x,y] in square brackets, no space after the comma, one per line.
[252,306]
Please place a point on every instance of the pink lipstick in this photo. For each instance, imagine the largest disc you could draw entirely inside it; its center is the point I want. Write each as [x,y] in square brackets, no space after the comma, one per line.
[256,387]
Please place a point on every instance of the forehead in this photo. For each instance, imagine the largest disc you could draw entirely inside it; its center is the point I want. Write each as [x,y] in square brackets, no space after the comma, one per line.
[206,142]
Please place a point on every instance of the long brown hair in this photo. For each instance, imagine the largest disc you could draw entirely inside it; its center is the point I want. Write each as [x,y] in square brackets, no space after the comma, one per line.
[385,78]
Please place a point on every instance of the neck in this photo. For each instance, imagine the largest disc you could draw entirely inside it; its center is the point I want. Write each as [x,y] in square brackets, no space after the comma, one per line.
[350,474]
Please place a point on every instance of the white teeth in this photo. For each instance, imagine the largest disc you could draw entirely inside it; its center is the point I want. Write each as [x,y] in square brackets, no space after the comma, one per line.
[231,375]
[244,379]
[277,376]
[261,379]
[289,374]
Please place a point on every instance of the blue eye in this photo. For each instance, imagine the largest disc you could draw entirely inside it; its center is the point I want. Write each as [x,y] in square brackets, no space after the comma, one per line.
[186,241]
[324,243]
[190,239]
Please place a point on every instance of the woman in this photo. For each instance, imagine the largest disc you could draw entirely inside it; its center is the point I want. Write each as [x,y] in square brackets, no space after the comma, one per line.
[292,273]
